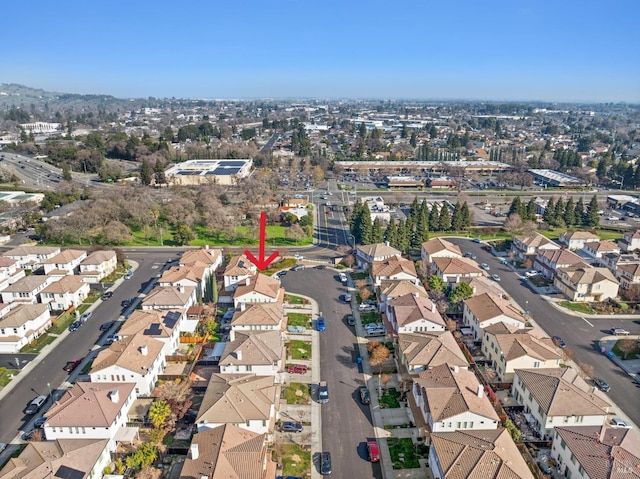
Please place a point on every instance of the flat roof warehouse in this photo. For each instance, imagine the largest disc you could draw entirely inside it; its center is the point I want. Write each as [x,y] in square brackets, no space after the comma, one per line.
[197,172]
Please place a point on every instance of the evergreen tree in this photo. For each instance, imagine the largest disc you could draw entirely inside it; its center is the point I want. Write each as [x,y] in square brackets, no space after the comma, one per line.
[457,220]
[403,237]
[158,173]
[591,217]
[601,171]
[559,212]
[391,234]
[66,171]
[569,213]
[578,213]
[434,218]
[530,210]
[444,221]
[516,207]
[549,212]
[377,235]
[636,177]
[146,173]
[466,216]
[628,177]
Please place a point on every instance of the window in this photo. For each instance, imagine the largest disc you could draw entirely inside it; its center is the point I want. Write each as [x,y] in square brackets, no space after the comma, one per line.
[563,444]
[536,364]
[573,459]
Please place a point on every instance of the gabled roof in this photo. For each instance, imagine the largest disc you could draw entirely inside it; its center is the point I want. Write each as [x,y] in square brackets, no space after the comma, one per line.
[6,262]
[240,266]
[585,274]
[66,256]
[128,353]
[169,296]
[204,255]
[262,284]
[238,398]
[50,458]
[579,235]
[603,246]
[20,251]
[431,348]
[479,454]
[88,404]
[22,313]
[520,343]
[258,314]
[155,323]
[632,269]
[451,266]
[254,348]
[436,245]
[233,452]
[604,452]
[410,308]
[561,392]
[392,288]
[561,256]
[393,266]
[482,284]
[379,250]
[449,393]
[98,257]
[535,240]
[66,284]
[175,274]
[27,284]
[487,306]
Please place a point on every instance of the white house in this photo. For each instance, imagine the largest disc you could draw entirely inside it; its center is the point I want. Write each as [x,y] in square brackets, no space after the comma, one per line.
[438,248]
[67,292]
[31,257]
[9,272]
[487,309]
[527,246]
[23,324]
[394,268]
[390,289]
[27,289]
[257,352]
[98,265]
[597,249]
[67,262]
[630,241]
[455,270]
[163,325]
[211,258]
[425,350]
[575,240]
[237,271]
[413,313]
[367,254]
[258,317]
[189,276]
[170,297]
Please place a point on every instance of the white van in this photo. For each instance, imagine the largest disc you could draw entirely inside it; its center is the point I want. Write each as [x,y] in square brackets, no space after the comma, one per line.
[347,298]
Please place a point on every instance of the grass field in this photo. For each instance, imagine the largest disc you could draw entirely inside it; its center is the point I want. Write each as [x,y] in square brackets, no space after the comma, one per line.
[297,393]
[296,461]
[299,349]
[578,307]
[631,355]
[36,346]
[6,375]
[293,299]
[298,319]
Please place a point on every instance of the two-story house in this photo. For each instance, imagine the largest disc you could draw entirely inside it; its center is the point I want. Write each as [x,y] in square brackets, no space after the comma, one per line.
[509,348]
[394,268]
[160,324]
[367,254]
[630,241]
[258,317]
[257,352]
[258,289]
[486,309]
[27,289]
[597,249]
[210,257]
[189,276]
[21,325]
[412,313]
[247,401]
[67,292]
[92,411]
[438,248]
[558,397]
[170,297]
[390,289]
[66,262]
[614,262]
[449,398]
[237,271]
[583,283]
[455,270]
[136,359]
[526,247]
[31,257]
[9,272]
[424,350]
[548,261]
[575,240]
[629,275]
[98,265]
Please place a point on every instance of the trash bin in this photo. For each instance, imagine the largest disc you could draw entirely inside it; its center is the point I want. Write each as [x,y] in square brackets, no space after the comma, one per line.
[610,354]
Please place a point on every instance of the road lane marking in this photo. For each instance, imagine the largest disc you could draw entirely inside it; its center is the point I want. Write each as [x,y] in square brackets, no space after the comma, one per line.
[586,321]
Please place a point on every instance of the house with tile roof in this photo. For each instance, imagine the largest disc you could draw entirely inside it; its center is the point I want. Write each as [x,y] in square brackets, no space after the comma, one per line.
[210,257]
[526,247]
[136,359]
[575,240]
[450,398]
[259,288]
[484,284]
[68,292]
[558,397]
[425,350]
[228,451]
[258,352]
[160,324]
[596,249]
[92,411]
[237,271]
[548,261]
[412,313]
[191,276]
[98,265]
[27,289]
[258,317]
[31,257]
[67,261]
[509,348]
[629,275]
[390,289]
[455,270]
[614,262]
[486,309]
[21,325]
[476,455]
[438,248]
[9,272]
[170,297]
[247,401]
[583,283]
[367,254]
[630,241]
[394,268]
[597,451]
[86,458]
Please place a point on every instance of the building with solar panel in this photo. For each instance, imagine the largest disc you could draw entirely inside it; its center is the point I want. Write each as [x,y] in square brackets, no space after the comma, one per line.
[203,172]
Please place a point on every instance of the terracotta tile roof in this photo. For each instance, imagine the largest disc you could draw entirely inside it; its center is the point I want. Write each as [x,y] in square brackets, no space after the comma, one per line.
[177,296]
[561,392]
[66,256]
[451,266]
[240,266]
[21,251]
[487,306]
[604,452]
[128,354]
[561,256]
[175,274]
[410,308]
[207,256]
[486,454]
[603,246]
[151,322]
[27,284]
[392,288]
[516,345]
[22,313]
[585,274]
[50,458]
[259,314]
[228,451]
[262,284]
[393,266]
[449,393]
[66,284]
[89,405]
[6,262]
[379,250]
[436,245]
[430,349]
[580,235]
[99,257]
[256,348]
[238,398]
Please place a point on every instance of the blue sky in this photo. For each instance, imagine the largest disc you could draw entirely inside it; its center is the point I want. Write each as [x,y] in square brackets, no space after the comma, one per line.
[560,50]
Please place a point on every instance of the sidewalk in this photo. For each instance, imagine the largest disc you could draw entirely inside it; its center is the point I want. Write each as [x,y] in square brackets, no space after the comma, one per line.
[555,303]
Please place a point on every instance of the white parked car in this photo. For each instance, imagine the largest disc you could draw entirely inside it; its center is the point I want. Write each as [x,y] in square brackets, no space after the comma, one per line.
[531,273]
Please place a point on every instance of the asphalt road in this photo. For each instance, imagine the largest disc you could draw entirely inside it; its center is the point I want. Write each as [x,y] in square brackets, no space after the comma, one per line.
[580,334]
[346,424]
[75,345]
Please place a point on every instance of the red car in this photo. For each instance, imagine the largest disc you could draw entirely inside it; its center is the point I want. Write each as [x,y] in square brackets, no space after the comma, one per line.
[71,365]
[372,449]
[297,369]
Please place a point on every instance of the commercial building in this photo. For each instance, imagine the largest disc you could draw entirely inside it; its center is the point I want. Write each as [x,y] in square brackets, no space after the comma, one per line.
[203,172]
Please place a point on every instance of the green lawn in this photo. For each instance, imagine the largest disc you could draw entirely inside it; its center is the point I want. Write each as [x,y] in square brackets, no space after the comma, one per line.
[296,461]
[6,376]
[298,319]
[293,299]
[37,345]
[297,349]
[370,317]
[603,234]
[297,393]
[390,398]
[403,448]
[578,307]
[631,355]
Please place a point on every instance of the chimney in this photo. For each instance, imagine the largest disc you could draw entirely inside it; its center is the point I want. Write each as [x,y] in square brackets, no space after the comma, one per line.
[180,288]
[239,355]
[232,335]
[243,306]
[144,350]
[206,246]
[456,369]
[386,243]
[114,396]
[433,307]
[480,390]
[415,294]
[195,453]
[247,281]
[474,291]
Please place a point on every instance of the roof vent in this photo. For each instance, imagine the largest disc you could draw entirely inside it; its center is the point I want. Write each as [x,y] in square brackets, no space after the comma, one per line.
[195,453]
[144,350]
[114,396]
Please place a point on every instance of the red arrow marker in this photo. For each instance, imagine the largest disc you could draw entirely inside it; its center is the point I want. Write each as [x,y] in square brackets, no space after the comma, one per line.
[262,263]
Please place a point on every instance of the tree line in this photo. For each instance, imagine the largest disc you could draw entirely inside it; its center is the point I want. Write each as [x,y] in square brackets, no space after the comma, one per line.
[558,213]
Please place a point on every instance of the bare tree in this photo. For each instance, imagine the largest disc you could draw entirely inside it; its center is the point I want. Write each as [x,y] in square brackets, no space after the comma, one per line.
[627,346]
[513,223]
[365,293]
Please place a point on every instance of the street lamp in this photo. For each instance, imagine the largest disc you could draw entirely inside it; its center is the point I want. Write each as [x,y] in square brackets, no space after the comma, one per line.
[526,308]
[49,386]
